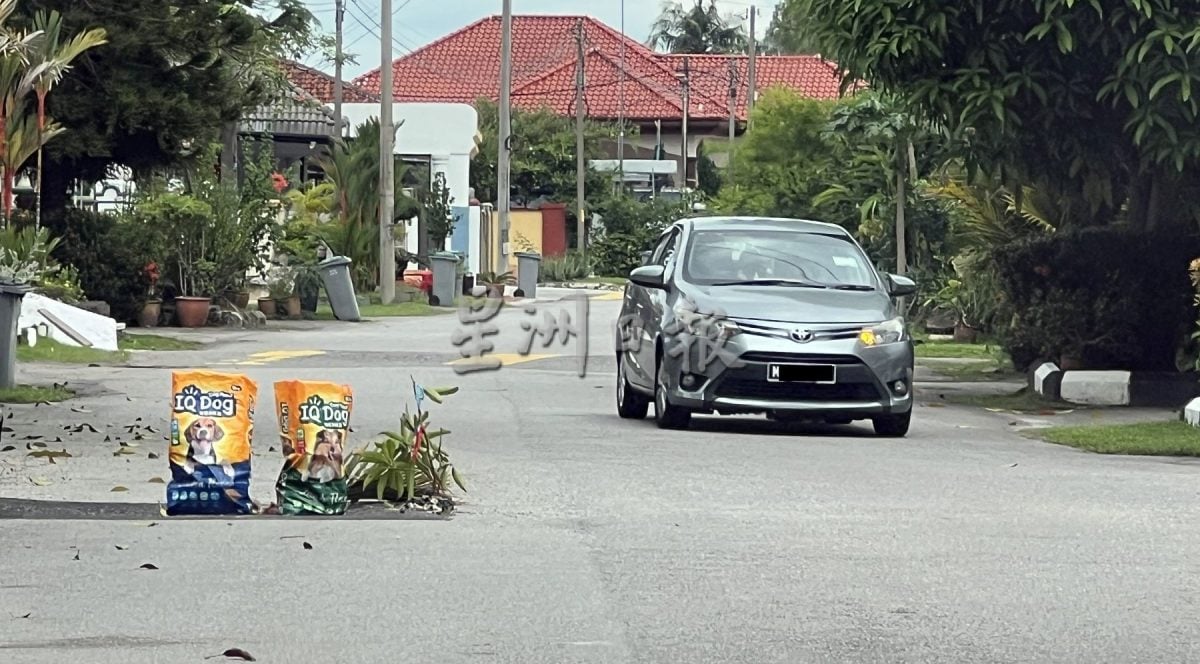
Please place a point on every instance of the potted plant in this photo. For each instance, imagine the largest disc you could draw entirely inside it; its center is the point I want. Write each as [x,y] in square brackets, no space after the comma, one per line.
[283,290]
[188,222]
[495,283]
[152,307]
[267,306]
[308,288]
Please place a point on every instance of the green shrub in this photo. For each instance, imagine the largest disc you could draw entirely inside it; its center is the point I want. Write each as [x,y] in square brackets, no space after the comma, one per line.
[630,227]
[568,267]
[110,254]
[1114,298]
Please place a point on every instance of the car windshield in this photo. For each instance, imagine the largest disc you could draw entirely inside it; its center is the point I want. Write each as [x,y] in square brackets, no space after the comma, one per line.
[781,256]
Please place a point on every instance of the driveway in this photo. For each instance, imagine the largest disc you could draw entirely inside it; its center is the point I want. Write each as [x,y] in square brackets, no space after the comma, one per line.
[586,538]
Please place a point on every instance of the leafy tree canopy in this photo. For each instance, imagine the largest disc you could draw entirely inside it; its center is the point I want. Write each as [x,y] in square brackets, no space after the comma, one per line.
[172,73]
[788,33]
[1090,99]
[697,29]
[543,155]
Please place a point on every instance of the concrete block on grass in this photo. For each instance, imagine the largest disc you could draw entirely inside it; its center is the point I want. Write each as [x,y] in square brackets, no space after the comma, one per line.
[1047,381]
[1191,412]
[1096,388]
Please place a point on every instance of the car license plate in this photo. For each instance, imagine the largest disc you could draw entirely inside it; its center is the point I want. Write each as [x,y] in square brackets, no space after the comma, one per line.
[801,373]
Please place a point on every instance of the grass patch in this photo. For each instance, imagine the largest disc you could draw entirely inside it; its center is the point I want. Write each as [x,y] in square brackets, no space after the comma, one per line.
[972,371]
[1023,400]
[34,394]
[951,350]
[48,350]
[1148,438]
[155,342]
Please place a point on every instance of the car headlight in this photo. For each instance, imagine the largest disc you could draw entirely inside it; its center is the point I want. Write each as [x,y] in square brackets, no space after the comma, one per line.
[710,326]
[887,332]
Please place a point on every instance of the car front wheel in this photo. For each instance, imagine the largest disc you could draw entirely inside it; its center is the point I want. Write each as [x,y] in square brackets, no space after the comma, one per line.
[893,426]
[631,404]
[666,415]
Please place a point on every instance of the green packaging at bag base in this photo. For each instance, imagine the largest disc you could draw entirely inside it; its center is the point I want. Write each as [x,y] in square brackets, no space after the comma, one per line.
[314,421]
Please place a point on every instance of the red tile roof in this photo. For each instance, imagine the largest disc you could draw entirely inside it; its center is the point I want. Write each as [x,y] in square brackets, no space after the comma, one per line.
[320,85]
[465,65]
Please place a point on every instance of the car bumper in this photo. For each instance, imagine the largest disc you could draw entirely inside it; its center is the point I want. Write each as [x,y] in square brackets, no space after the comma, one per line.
[869,381]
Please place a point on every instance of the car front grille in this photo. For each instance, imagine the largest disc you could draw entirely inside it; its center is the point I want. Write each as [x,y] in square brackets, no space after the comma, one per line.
[798,358]
[752,388]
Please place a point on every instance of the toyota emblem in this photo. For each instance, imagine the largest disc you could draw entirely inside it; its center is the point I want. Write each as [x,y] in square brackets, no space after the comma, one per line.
[803,336]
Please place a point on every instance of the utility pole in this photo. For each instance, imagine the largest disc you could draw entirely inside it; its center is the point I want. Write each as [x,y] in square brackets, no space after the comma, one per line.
[752,74]
[503,188]
[387,159]
[685,77]
[580,115]
[621,105]
[340,15]
[733,87]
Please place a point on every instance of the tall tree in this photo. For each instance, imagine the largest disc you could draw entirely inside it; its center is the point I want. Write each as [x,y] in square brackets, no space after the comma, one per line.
[1092,101]
[171,75]
[698,29]
[789,32]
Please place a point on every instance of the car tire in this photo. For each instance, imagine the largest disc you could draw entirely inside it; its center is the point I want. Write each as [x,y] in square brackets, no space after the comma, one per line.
[666,415]
[631,404]
[893,426]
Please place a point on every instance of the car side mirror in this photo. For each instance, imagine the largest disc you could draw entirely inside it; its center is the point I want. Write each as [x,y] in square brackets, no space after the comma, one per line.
[901,286]
[650,276]
[646,257]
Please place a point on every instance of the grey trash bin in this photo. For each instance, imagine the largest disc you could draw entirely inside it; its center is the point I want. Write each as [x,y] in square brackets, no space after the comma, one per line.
[445,279]
[10,312]
[528,265]
[339,286]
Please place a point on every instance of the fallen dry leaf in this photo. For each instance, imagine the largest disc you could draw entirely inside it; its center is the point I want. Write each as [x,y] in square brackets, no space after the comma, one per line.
[26,615]
[149,566]
[30,446]
[307,546]
[7,448]
[117,489]
[40,481]
[124,450]
[235,653]
[157,480]
[80,409]
[118,547]
[152,455]
[76,556]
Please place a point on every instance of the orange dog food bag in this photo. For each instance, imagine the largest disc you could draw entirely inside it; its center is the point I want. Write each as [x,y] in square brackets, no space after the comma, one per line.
[314,421]
[212,424]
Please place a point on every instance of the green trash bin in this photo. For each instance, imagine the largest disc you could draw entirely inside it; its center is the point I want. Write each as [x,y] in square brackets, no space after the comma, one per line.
[339,286]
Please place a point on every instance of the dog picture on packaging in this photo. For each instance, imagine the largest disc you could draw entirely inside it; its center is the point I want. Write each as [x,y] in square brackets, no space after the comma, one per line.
[314,420]
[212,424]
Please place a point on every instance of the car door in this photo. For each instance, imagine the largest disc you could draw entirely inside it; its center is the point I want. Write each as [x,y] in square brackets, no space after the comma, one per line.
[641,320]
[657,305]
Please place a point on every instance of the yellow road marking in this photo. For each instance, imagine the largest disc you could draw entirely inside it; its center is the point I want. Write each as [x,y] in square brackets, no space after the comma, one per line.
[506,359]
[614,295]
[259,359]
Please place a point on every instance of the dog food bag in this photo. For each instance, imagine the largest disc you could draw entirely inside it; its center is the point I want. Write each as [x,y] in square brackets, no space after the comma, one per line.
[314,422]
[212,424]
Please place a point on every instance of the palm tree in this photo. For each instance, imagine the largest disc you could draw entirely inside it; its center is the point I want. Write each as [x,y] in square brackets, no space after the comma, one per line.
[700,29]
[55,56]
[17,77]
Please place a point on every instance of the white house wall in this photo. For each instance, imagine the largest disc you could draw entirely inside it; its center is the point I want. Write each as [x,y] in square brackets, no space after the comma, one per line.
[447,135]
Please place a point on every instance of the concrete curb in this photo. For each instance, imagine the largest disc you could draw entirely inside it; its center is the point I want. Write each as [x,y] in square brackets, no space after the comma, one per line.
[1115,388]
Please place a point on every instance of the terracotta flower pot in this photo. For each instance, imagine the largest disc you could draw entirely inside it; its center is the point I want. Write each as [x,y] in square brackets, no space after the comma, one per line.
[965,334]
[193,311]
[151,311]
[267,306]
[292,305]
[241,299]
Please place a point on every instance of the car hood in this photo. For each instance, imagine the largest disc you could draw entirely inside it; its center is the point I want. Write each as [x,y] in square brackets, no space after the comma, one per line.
[790,304]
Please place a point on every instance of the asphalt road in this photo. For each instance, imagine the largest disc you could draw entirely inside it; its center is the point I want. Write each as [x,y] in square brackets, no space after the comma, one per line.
[586,538]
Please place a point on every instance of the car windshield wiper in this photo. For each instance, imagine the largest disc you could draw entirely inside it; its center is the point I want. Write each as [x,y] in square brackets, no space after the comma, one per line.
[772,282]
[854,287]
